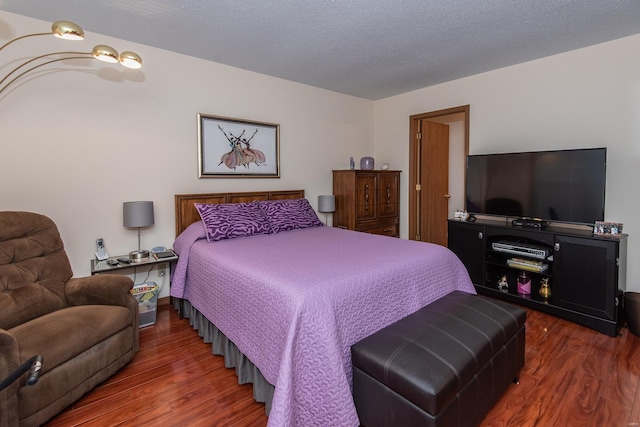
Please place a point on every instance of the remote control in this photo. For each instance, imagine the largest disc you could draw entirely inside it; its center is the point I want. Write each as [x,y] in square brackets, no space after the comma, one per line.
[124,260]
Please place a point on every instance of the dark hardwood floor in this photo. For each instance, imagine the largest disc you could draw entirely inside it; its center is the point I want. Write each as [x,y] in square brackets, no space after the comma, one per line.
[573,376]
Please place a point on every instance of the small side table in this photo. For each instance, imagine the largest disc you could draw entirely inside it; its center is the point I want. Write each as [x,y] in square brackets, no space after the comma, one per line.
[98,267]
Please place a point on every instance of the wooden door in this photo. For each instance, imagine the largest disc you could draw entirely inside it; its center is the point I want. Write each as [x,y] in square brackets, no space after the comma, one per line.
[432,181]
[416,196]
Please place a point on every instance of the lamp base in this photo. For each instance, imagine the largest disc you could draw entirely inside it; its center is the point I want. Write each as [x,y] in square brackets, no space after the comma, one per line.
[138,256]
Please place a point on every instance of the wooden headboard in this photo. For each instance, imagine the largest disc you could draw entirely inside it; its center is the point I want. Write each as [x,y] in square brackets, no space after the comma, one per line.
[186,213]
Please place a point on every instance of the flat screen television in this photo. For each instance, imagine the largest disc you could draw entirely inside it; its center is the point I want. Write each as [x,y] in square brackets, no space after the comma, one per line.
[561,185]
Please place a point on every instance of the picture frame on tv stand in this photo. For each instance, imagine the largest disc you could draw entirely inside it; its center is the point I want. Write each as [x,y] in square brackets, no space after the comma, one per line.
[606,229]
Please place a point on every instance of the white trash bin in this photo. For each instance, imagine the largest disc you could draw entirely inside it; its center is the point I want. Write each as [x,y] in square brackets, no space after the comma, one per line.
[147,296]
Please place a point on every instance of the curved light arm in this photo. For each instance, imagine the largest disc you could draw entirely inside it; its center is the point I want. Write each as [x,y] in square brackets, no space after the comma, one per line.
[62,29]
[22,37]
[86,56]
[39,57]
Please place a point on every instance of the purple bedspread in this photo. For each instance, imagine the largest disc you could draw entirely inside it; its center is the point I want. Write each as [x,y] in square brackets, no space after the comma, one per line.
[294,303]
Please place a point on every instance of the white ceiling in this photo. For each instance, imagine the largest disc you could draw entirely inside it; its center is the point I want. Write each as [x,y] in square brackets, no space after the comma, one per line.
[368,48]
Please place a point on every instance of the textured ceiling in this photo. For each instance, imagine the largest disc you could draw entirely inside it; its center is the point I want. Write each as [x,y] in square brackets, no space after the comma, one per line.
[368,48]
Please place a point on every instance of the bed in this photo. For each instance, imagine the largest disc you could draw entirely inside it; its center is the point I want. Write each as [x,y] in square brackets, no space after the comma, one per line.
[291,303]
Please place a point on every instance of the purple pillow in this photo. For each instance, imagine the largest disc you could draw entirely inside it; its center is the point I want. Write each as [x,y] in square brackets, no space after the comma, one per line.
[286,215]
[228,221]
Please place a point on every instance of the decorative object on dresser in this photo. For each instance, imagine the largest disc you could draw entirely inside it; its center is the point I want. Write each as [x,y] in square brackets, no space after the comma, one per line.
[326,205]
[137,215]
[367,163]
[367,201]
[67,31]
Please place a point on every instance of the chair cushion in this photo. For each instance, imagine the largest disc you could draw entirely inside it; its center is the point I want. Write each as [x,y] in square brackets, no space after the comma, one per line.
[65,333]
[33,268]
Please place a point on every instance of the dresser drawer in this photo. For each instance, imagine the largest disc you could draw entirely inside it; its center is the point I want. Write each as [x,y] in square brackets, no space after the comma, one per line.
[385,230]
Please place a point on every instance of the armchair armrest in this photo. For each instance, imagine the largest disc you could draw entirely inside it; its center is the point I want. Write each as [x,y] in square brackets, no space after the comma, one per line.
[9,354]
[103,289]
[9,362]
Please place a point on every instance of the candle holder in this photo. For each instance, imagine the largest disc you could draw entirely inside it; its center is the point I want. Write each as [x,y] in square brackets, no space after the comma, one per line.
[545,288]
[524,283]
[367,163]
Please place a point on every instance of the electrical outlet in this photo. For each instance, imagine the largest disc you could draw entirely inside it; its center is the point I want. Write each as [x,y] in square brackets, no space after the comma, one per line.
[162,270]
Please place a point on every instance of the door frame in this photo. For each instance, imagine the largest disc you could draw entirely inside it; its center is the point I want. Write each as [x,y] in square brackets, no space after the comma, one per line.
[414,157]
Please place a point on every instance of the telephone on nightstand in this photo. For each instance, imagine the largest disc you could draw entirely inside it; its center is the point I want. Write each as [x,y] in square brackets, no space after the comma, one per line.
[101,251]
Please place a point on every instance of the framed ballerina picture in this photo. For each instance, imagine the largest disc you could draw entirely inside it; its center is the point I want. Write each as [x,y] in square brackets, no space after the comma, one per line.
[237,148]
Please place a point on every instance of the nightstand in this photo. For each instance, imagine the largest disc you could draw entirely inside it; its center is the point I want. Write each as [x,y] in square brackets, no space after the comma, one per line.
[98,267]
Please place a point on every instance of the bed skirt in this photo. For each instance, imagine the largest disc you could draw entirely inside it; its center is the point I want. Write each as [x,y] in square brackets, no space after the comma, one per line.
[246,371]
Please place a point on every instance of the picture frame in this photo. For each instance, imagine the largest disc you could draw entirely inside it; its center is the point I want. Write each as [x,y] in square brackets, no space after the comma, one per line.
[237,148]
[608,229]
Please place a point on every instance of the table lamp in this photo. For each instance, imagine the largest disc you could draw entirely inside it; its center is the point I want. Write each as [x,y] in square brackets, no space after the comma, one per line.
[137,215]
[326,205]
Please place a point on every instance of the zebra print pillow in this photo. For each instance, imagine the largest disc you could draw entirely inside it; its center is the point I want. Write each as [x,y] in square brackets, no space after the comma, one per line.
[228,221]
[286,215]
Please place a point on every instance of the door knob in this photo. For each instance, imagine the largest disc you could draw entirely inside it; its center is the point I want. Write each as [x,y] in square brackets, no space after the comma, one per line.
[447,196]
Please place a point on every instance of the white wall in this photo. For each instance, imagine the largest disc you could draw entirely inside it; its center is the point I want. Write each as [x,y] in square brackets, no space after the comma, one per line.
[79,142]
[584,98]
[81,138]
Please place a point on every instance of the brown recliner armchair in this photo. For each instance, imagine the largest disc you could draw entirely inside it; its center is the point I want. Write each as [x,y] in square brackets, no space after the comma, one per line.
[85,329]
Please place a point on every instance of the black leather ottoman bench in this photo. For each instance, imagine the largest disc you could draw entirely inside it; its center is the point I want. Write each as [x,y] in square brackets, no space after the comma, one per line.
[445,365]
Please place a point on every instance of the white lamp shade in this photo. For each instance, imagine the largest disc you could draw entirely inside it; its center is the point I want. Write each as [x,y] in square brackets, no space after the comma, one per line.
[327,203]
[137,214]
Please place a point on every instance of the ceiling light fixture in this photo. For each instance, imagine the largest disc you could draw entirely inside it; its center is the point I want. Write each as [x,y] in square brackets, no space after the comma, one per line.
[67,31]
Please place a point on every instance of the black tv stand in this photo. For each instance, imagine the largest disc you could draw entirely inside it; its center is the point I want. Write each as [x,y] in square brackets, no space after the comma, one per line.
[525,222]
[586,273]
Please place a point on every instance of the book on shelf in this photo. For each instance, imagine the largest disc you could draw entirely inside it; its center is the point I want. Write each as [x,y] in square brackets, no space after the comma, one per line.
[527,264]
[527,261]
[165,254]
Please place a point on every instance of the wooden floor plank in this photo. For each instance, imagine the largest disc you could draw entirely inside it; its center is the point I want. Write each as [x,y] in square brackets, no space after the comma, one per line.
[580,402]
[573,376]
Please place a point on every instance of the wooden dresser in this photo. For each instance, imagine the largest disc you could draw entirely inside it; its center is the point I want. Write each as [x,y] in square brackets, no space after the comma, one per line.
[367,200]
